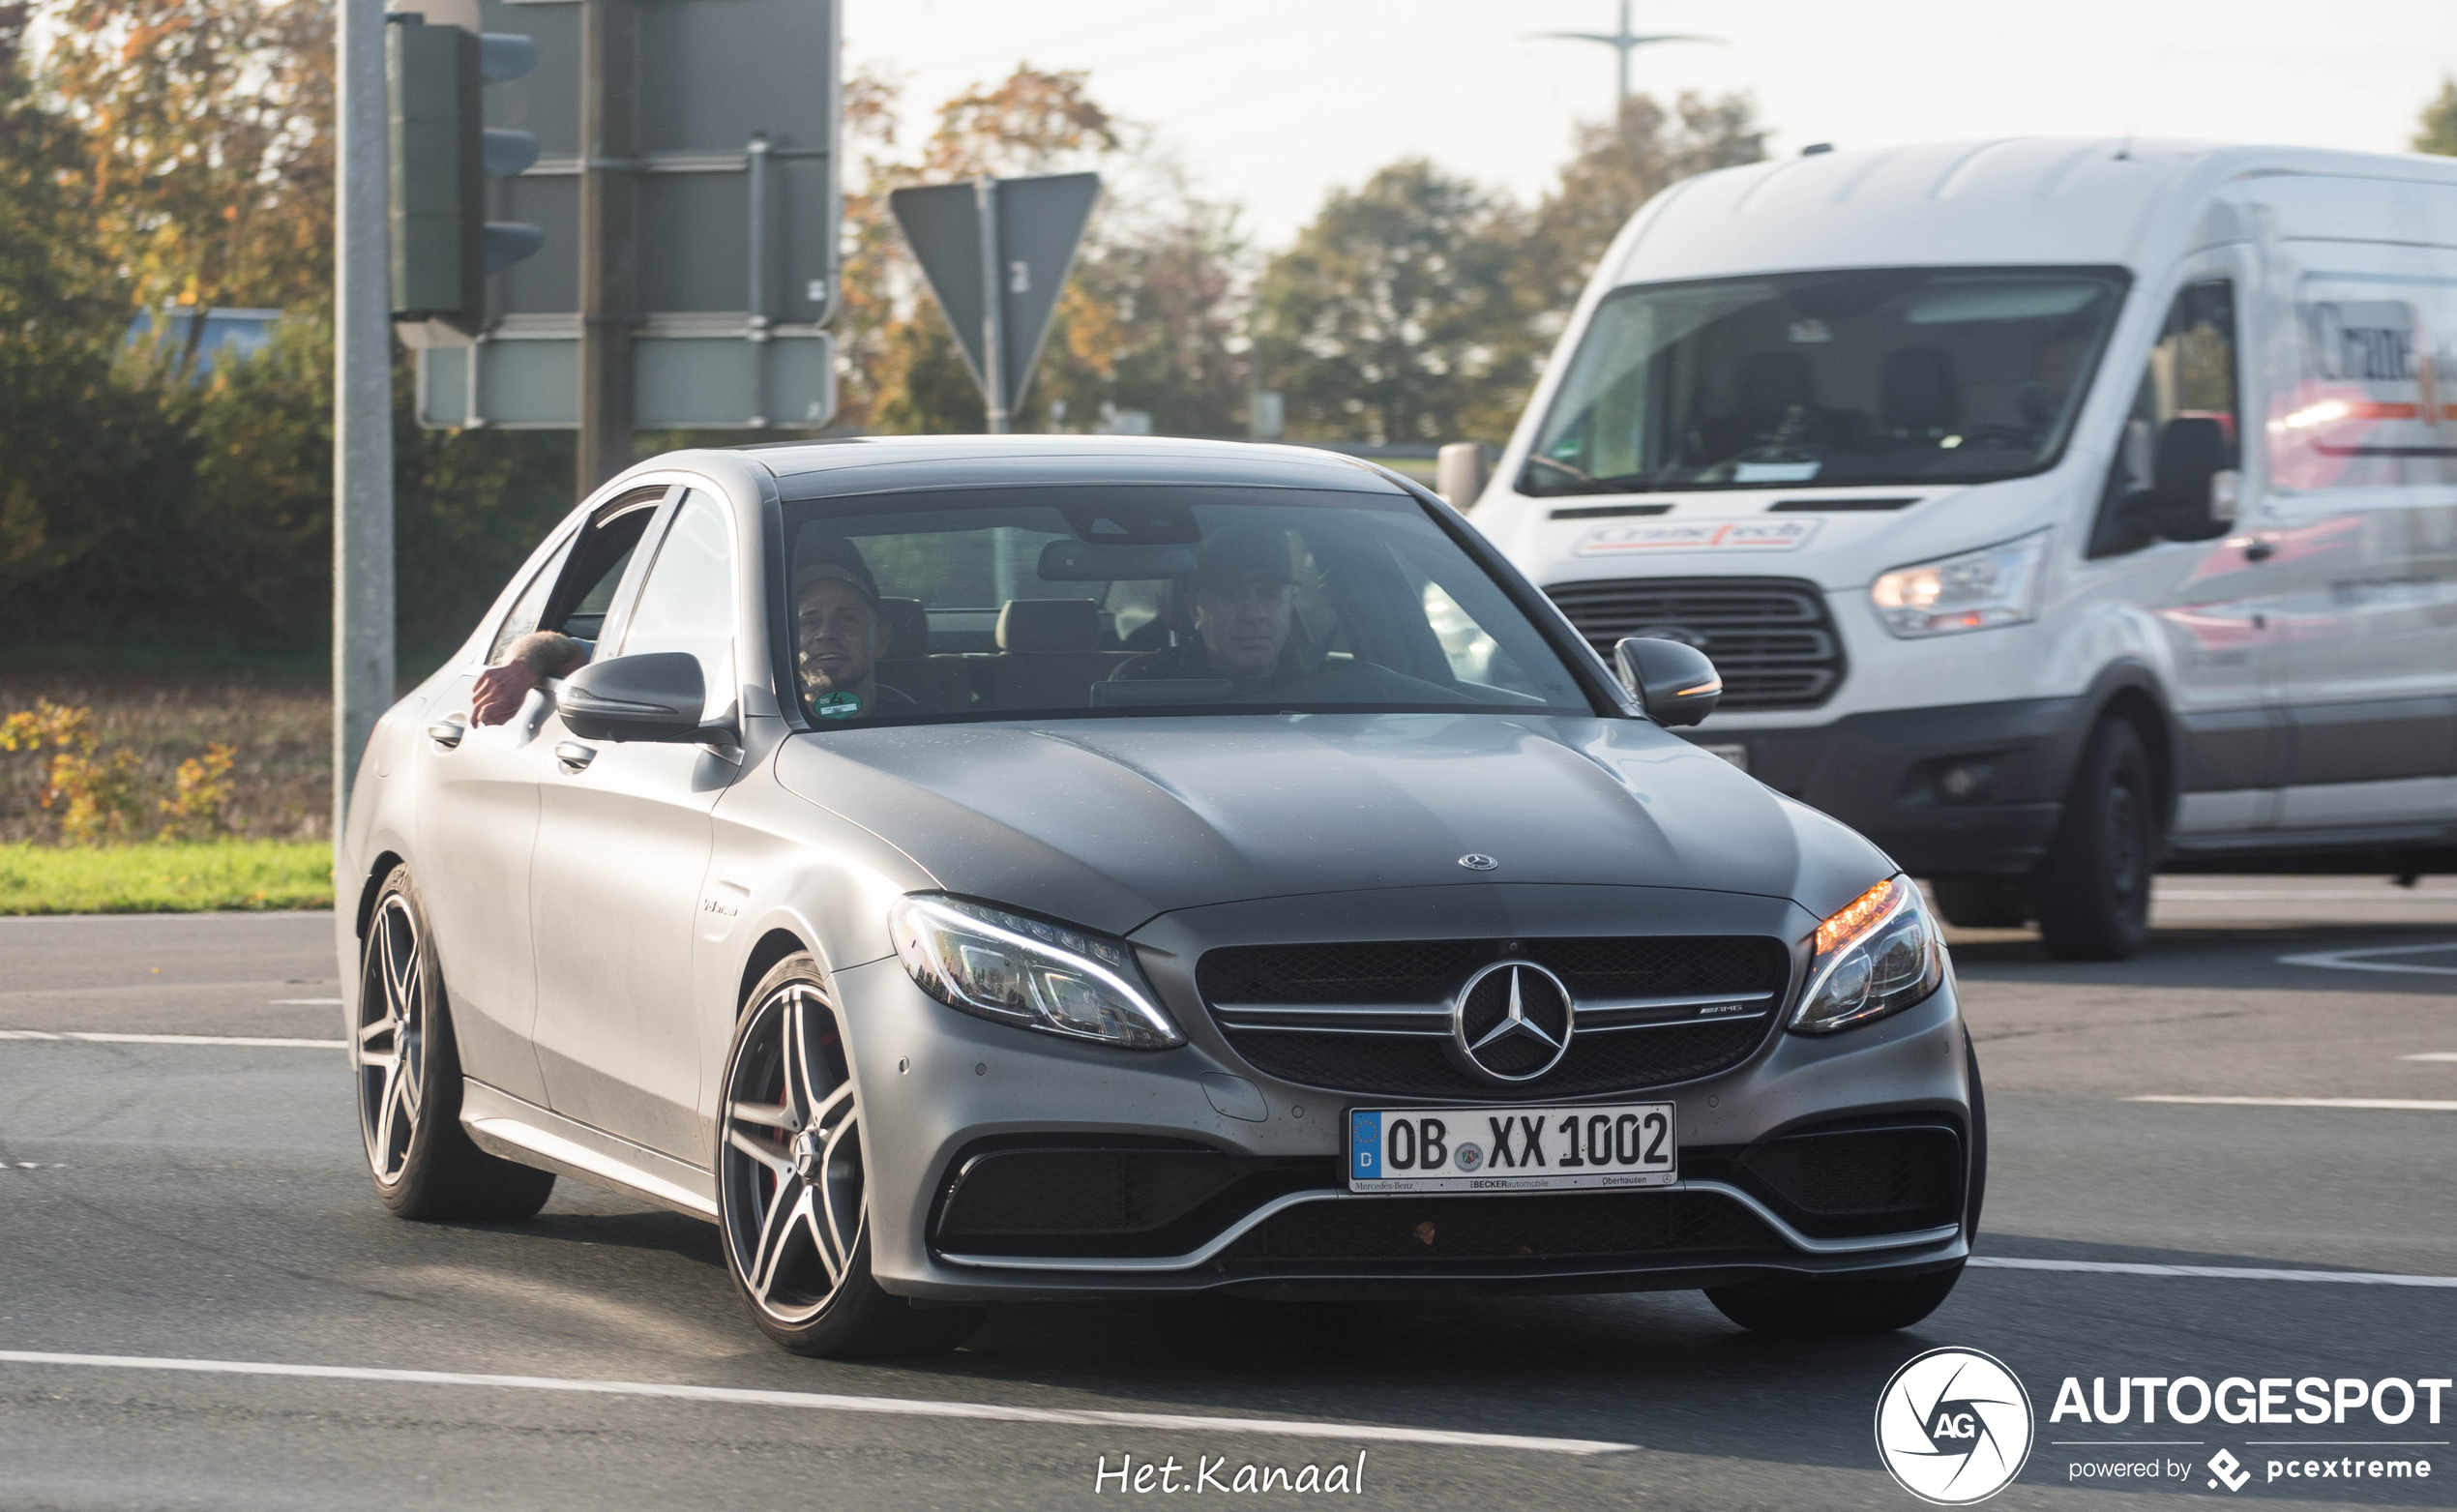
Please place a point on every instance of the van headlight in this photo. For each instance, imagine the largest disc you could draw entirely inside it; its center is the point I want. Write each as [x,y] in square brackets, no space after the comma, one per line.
[1879,954]
[1978,590]
[1011,969]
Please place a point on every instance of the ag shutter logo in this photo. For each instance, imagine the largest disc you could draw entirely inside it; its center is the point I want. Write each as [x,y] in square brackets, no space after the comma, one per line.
[1953,1426]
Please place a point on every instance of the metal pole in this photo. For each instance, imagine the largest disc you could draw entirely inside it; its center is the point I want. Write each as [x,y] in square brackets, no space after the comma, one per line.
[607,36]
[993,304]
[363,668]
[1624,44]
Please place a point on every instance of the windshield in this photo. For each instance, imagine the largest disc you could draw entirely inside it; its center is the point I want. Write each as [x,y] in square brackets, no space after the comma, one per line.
[1146,601]
[1886,375]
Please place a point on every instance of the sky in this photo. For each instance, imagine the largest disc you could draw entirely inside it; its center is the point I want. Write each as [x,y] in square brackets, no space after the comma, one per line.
[1274,102]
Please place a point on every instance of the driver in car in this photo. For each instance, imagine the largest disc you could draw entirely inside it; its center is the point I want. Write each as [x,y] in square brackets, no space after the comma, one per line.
[838,633]
[1242,601]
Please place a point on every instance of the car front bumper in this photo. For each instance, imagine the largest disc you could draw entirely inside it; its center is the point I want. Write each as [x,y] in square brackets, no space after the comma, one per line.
[938,1086]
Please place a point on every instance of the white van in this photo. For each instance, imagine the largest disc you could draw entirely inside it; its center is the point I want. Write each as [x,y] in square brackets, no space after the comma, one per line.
[2050,507]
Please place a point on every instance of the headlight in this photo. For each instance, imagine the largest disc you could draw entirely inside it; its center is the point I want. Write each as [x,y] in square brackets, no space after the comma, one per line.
[1978,590]
[1879,955]
[1017,970]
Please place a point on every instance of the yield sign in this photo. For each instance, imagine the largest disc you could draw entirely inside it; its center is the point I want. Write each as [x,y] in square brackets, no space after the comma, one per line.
[997,254]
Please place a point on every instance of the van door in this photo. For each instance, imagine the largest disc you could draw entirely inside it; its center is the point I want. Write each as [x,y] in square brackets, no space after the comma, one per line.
[2216,600]
[2367,431]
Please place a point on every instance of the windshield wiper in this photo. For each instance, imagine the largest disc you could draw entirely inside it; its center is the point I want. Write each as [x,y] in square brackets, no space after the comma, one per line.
[1578,480]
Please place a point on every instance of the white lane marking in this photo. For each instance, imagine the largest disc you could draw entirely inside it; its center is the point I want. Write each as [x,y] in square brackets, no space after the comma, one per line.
[305,1002]
[2416,1105]
[904,1407]
[2344,959]
[2321,895]
[2352,1278]
[2432,1054]
[99,1038]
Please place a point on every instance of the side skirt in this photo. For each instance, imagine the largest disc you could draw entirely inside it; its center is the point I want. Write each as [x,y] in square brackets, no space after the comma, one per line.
[506,1126]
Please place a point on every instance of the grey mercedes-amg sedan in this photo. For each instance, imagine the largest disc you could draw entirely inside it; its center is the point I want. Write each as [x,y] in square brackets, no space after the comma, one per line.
[969,870]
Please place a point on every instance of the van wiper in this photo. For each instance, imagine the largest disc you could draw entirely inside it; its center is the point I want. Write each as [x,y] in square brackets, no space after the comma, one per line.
[1578,480]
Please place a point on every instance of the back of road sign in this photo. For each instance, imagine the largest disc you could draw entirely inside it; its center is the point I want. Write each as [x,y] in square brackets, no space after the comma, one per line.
[1039,223]
[732,256]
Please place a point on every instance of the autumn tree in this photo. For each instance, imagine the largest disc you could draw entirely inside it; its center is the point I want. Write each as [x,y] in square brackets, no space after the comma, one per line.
[208,173]
[1394,317]
[1616,169]
[2439,132]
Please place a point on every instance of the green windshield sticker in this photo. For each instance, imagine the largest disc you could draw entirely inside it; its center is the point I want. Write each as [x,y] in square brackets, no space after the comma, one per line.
[839,706]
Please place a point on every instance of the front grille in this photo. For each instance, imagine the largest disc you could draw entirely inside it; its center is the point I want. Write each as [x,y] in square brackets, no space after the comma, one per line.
[1770,638]
[1371,1016]
[1533,1227]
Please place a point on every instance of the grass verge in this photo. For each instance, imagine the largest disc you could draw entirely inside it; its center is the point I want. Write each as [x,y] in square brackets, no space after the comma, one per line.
[230,874]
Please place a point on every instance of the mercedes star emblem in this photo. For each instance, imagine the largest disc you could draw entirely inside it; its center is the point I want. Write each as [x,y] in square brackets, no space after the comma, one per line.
[1511,1021]
[1474,862]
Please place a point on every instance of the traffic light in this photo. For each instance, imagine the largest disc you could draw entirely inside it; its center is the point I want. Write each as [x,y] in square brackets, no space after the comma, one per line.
[443,247]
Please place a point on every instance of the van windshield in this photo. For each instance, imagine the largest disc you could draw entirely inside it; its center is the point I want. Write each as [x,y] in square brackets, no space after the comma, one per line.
[1121,601]
[1882,375]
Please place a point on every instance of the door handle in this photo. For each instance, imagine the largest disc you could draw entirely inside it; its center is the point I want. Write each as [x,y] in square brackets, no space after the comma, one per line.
[575,756]
[447,733]
[2260,552]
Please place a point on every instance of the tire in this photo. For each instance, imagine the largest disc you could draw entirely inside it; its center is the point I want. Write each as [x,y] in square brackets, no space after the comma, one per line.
[1982,902]
[2092,894]
[407,1069]
[791,1185]
[1834,1305]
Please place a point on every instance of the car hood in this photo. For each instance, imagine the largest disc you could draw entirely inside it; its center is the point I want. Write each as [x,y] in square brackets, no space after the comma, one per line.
[1110,822]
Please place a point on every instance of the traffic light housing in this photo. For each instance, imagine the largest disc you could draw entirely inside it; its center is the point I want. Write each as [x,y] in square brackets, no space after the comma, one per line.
[443,247]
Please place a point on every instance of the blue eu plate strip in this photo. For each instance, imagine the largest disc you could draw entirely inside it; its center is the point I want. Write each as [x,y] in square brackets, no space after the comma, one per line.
[1365,1145]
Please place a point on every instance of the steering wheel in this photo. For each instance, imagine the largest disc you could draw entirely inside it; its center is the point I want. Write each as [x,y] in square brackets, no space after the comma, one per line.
[1999,435]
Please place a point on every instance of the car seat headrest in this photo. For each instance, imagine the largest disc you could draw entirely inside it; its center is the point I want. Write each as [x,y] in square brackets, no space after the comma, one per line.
[907,625]
[1040,626]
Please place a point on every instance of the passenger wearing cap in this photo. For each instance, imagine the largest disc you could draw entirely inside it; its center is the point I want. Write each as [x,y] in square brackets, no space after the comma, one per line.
[838,634]
[1242,603]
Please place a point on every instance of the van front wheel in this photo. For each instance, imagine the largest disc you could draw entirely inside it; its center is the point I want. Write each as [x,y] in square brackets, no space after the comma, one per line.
[2092,894]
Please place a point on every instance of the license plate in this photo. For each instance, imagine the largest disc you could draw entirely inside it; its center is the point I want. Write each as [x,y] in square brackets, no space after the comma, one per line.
[1510,1149]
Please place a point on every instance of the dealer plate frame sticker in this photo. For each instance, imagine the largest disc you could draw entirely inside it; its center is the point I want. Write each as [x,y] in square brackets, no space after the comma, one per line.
[1698,535]
[1487,1149]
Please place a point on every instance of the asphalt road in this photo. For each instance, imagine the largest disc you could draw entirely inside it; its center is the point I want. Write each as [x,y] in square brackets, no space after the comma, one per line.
[207,1205]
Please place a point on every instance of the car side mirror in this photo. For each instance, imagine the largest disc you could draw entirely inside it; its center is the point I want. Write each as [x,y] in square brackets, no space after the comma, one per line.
[655,696]
[1675,684]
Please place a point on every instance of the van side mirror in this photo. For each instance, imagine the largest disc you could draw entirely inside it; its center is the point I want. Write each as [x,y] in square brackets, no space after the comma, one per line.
[655,696]
[2195,491]
[1675,684]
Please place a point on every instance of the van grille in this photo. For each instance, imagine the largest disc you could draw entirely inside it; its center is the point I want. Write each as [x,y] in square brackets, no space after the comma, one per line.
[1770,637]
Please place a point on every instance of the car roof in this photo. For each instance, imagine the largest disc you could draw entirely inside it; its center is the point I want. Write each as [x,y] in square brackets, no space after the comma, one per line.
[870,464]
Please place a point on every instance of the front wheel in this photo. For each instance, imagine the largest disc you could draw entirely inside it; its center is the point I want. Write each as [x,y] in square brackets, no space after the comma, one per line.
[793,1188]
[1835,1305]
[2092,894]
